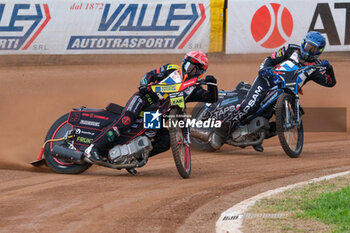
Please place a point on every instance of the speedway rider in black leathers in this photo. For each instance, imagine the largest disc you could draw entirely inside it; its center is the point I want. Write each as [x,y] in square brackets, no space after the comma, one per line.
[194,65]
[307,54]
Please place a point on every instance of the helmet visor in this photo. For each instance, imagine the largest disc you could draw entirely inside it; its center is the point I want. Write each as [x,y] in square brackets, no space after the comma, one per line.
[193,69]
[311,49]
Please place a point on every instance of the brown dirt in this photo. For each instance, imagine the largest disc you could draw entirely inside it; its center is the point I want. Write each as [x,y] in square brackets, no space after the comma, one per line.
[157,199]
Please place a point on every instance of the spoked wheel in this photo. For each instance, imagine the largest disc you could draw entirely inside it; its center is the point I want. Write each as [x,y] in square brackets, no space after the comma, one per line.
[180,147]
[290,134]
[59,130]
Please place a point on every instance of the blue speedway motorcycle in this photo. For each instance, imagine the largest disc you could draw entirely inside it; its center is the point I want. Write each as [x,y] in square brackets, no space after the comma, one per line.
[279,114]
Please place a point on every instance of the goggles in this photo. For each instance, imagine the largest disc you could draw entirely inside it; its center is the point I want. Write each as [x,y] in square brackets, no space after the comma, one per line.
[312,49]
[192,67]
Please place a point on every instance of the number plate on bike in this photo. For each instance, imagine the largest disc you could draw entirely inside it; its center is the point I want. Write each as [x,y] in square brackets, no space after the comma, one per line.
[177,99]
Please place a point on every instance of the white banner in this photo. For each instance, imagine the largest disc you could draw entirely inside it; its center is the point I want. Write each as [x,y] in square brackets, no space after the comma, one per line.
[260,26]
[86,26]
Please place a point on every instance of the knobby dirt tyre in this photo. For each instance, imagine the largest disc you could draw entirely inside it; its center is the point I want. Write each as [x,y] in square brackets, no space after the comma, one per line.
[181,151]
[285,105]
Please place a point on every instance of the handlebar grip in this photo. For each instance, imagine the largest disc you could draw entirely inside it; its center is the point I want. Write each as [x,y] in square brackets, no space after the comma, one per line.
[201,82]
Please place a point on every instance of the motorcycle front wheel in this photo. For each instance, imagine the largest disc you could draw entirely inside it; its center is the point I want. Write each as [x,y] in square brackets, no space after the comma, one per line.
[59,130]
[180,146]
[290,135]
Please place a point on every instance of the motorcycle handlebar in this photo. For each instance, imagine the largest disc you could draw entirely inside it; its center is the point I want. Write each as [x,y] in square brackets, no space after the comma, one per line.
[270,69]
[201,82]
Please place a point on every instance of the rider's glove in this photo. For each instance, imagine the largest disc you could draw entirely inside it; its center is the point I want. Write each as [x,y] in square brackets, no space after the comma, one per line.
[325,63]
[263,72]
[210,79]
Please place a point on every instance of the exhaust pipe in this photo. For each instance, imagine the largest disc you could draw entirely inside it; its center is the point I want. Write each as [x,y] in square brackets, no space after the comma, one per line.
[68,154]
[202,134]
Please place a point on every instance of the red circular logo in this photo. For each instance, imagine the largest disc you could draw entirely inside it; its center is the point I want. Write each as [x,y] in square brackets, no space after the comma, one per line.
[272,25]
[126,120]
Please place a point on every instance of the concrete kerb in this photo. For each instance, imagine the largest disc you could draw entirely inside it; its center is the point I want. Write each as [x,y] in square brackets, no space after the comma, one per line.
[231,220]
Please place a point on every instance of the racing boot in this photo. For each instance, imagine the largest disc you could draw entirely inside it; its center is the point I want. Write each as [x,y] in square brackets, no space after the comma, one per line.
[258,148]
[93,153]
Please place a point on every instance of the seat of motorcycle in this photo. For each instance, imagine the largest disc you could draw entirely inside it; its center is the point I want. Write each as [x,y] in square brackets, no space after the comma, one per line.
[115,108]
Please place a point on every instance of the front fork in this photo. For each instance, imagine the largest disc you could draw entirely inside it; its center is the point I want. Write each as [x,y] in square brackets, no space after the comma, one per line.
[297,111]
[187,131]
[296,119]
[188,138]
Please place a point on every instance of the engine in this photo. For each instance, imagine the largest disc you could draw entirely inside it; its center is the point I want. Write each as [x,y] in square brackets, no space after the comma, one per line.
[136,149]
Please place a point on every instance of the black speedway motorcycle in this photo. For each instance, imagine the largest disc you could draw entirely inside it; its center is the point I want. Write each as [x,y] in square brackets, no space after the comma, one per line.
[72,133]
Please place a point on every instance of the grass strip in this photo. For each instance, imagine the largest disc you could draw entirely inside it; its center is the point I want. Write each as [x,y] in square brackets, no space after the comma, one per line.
[330,208]
[317,207]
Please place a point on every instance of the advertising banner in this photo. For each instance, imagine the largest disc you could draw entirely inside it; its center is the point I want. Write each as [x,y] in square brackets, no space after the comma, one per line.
[259,26]
[87,27]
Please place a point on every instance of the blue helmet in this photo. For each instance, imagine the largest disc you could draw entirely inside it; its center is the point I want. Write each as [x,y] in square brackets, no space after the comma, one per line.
[312,46]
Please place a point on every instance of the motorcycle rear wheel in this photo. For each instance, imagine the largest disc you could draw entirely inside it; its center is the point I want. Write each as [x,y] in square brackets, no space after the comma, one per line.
[58,130]
[291,138]
[180,147]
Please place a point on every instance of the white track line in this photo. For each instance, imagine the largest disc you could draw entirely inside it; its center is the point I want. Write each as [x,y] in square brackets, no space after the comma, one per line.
[231,220]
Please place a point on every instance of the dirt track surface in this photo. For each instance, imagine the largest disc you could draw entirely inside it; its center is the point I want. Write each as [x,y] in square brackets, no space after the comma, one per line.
[157,199]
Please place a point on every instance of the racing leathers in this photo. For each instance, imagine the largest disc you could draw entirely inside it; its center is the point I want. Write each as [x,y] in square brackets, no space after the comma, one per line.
[323,75]
[145,99]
